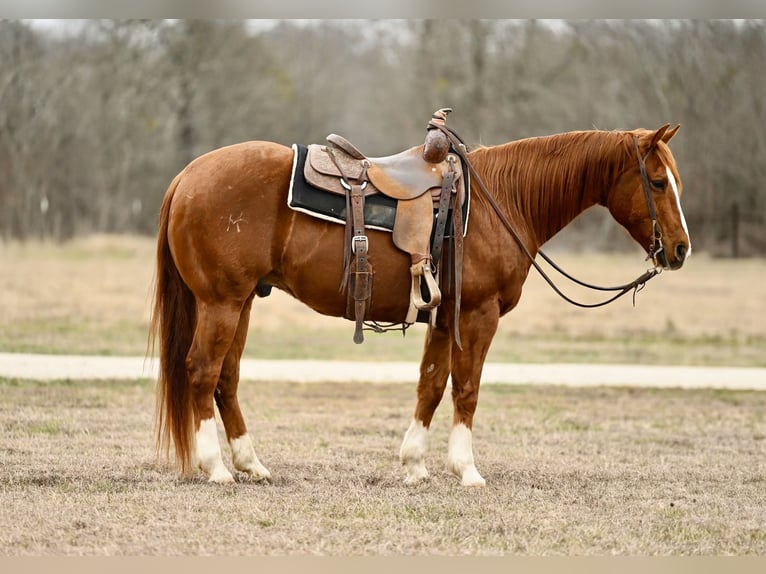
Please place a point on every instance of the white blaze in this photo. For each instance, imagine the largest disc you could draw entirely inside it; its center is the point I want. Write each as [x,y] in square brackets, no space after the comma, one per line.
[674,185]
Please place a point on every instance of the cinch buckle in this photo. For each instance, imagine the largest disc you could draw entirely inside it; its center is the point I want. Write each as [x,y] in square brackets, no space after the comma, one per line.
[359,239]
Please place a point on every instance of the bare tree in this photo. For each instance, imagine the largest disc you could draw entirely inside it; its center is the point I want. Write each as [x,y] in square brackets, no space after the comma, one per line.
[95,123]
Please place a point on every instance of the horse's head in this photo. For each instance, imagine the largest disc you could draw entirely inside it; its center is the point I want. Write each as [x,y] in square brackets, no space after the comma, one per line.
[647,198]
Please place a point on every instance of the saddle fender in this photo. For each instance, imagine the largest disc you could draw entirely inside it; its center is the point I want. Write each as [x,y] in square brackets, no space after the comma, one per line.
[412,225]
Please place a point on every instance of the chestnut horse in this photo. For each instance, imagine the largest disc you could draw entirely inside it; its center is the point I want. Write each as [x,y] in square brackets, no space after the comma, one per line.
[226,234]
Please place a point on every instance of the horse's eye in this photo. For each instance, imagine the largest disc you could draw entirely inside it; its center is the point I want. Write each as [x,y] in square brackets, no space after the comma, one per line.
[658,184]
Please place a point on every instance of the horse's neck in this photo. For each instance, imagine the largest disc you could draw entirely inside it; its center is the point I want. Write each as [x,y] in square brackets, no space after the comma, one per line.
[544,183]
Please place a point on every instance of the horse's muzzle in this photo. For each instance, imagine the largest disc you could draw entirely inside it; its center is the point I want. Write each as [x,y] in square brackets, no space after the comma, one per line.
[681,252]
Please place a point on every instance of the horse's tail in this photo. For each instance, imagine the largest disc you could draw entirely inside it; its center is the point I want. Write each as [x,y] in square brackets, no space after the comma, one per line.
[173,321]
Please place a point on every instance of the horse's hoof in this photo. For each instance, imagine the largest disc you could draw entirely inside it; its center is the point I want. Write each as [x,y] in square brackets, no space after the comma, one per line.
[222,476]
[471,477]
[261,475]
[413,480]
[416,476]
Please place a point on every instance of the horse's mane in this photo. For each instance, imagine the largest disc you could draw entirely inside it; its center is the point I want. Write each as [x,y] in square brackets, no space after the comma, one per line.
[549,180]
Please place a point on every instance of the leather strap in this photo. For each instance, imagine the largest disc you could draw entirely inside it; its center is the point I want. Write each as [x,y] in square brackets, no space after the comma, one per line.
[457,257]
[446,200]
[362,276]
[656,247]
[359,282]
[441,216]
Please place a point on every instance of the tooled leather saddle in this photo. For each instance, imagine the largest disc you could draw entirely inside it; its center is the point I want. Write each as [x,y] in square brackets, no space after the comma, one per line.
[426,183]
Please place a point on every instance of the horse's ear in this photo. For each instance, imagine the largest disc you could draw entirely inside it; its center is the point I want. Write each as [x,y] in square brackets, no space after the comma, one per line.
[651,139]
[658,135]
[670,133]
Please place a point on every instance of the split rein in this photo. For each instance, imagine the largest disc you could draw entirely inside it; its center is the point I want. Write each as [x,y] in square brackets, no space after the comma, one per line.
[635,286]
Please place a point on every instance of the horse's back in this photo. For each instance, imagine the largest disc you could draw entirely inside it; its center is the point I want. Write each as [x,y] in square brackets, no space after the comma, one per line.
[245,164]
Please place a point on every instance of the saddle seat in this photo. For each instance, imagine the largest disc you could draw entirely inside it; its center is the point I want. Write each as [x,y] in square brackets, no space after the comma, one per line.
[417,186]
[402,176]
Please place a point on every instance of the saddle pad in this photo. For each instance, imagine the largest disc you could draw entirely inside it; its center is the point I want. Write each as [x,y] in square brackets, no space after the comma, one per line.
[379,209]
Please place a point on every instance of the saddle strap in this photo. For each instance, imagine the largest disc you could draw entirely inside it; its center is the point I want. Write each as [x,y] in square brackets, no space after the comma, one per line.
[457,226]
[361,288]
[359,282]
[447,201]
[441,215]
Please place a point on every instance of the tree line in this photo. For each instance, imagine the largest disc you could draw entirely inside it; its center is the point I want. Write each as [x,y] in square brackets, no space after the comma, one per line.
[96,120]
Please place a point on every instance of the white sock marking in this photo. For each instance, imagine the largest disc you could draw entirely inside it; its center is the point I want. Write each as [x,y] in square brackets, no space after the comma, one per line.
[460,456]
[413,450]
[674,185]
[244,457]
[209,452]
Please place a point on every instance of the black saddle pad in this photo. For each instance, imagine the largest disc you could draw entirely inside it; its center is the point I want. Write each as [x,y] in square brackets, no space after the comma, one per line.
[379,209]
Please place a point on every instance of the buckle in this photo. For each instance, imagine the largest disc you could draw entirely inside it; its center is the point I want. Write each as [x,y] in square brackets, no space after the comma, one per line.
[347,186]
[359,239]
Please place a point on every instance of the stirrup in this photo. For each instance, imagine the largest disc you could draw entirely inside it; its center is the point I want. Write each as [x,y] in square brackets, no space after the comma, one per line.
[421,271]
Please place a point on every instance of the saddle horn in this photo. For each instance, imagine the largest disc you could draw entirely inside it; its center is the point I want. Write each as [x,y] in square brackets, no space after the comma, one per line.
[436,146]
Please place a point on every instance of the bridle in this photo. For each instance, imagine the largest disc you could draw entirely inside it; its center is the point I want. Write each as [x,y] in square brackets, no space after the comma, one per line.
[656,250]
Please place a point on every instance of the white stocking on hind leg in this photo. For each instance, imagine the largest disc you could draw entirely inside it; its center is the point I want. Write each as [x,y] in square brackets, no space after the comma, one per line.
[213,336]
[208,452]
[242,452]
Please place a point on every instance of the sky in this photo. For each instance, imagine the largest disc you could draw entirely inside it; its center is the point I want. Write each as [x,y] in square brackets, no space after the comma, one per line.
[387,9]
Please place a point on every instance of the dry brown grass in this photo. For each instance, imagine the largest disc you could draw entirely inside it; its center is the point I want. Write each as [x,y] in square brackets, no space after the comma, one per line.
[92,295]
[88,296]
[569,471]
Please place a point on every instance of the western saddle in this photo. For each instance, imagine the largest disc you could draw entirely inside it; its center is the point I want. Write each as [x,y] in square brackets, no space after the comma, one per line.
[422,179]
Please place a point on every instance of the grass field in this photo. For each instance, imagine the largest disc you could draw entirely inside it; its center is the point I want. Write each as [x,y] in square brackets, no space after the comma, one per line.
[570,472]
[92,296]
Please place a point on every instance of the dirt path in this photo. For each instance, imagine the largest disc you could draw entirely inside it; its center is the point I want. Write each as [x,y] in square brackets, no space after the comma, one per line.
[47,367]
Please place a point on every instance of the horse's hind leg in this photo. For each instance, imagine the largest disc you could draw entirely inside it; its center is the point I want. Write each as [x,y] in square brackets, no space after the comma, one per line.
[216,326]
[434,371]
[242,451]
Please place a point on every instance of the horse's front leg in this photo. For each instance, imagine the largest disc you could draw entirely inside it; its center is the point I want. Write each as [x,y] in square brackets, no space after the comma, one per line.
[477,328]
[434,371]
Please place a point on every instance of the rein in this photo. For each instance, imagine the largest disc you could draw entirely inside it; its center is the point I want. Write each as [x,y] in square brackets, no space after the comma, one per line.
[635,286]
